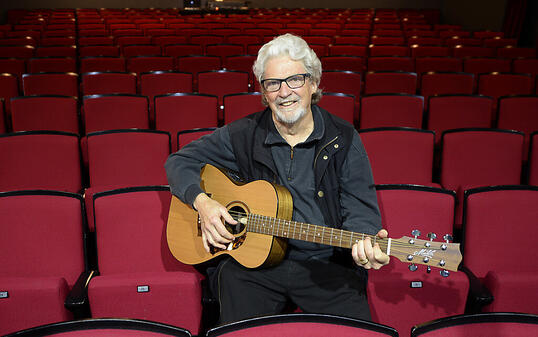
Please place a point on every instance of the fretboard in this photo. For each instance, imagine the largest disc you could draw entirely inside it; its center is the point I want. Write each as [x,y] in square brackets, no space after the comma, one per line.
[307,232]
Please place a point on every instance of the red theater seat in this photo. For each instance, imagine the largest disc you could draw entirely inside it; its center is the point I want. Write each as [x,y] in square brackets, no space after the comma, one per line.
[42,255]
[399,297]
[144,281]
[511,280]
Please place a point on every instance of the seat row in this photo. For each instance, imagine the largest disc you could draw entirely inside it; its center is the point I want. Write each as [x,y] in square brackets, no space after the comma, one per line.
[49,262]
[62,161]
[242,44]
[179,111]
[299,324]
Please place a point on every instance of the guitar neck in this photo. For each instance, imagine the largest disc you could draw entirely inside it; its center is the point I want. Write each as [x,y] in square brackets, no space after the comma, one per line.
[310,233]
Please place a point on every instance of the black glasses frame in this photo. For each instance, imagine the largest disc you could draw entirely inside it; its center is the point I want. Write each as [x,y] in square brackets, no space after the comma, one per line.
[280,80]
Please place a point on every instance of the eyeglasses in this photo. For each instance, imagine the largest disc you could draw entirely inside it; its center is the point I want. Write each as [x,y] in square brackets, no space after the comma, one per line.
[293,81]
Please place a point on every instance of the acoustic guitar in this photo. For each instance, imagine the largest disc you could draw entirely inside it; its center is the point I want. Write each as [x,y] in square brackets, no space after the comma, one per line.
[263,211]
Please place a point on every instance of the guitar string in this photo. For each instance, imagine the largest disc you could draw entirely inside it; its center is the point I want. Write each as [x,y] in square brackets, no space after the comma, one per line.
[346,235]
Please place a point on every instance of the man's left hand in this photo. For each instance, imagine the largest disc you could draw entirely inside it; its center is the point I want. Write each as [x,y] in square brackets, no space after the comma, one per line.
[368,255]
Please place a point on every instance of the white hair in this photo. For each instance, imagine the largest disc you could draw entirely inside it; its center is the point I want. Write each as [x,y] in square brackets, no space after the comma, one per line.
[298,50]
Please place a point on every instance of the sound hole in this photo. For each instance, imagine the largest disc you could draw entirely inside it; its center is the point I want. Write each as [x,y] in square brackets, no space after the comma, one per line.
[237,212]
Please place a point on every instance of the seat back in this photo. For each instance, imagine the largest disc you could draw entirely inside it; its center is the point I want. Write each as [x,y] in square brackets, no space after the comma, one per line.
[95,83]
[65,84]
[339,104]
[488,211]
[346,82]
[115,111]
[45,112]
[399,155]
[144,64]
[177,112]
[390,82]
[42,234]
[102,63]
[240,105]
[488,324]
[52,65]
[504,84]
[480,157]
[479,65]
[383,110]
[458,111]
[344,63]
[519,113]
[391,63]
[444,83]
[40,160]
[441,64]
[302,324]
[186,136]
[133,220]
[138,154]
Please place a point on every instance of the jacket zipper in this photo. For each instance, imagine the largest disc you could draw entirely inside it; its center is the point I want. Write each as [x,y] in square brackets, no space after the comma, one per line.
[319,152]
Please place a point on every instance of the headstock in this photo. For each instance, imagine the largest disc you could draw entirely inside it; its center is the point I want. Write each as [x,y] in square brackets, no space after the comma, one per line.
[431,253]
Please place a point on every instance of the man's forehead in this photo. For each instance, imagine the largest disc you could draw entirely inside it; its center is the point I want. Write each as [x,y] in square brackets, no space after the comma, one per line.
[282,67]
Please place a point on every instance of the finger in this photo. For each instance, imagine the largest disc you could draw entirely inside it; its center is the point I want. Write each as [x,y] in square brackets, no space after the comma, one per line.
[361,255]
[215,239]
[368,249]
[205,243]
[383,233]
[218,230]
[379,256]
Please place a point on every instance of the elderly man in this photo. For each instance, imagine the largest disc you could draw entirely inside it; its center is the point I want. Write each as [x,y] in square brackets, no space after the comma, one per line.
[320,159]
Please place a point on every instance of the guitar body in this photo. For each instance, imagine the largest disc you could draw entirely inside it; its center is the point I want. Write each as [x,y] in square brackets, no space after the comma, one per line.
[249,249]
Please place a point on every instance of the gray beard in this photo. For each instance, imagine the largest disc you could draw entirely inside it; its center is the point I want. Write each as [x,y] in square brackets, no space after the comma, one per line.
[282,118]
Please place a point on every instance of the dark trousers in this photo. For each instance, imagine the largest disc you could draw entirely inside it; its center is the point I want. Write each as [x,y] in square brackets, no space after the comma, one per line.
[314,286]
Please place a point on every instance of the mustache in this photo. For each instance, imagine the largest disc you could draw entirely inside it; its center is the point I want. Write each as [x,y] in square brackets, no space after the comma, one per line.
[293,97]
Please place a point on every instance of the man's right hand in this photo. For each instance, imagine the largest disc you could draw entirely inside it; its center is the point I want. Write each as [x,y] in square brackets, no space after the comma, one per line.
[211,213]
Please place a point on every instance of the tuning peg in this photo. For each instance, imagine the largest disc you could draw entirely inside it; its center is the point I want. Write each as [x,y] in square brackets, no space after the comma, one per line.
[432,237]
[413,267]
[447,238]
[415,233]
[444,273]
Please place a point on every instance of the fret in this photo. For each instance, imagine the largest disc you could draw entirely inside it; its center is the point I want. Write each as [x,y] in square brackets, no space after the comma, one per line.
[331,240]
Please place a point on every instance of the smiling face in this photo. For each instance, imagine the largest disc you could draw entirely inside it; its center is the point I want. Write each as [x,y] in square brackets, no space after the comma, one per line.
[288,105]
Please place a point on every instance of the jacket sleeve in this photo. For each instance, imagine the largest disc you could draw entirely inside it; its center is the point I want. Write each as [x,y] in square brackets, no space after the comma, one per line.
[183,167]
[358,198]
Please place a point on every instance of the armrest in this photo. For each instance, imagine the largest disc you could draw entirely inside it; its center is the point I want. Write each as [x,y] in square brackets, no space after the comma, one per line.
[77,300]
[479,295]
